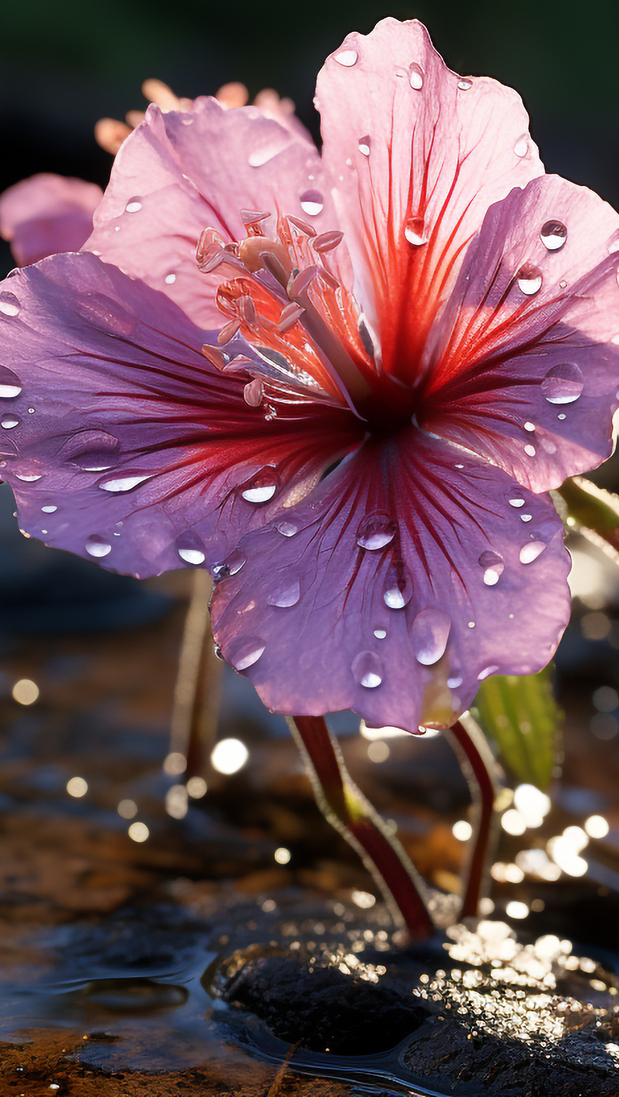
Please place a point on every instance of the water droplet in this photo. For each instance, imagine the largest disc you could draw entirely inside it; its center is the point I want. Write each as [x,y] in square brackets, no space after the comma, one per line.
[486,672]
[287,529]
[522,145]
[170,279]
[563,384]
[124,484]
[529,280]
[312,202]
[554,235]
[134,205]
[31,411]
[49,509]
[530,451]
[380,633]
[529,426]
[347,58]
[231,565]
[453,683]
[190,549]
[470,624]
[415,78]
[526,517]
[244,652]
[29,477]
[9,383]
[367,670]
[9,305]
[530,551]
[516,502]
[365,144]
[287,595]
[465,85]
[414,231]
[430,633]
[561,415]
[398,589]
[10,421]
[261,488]
[91,450]
[98,546]
[493,565]
[376,531]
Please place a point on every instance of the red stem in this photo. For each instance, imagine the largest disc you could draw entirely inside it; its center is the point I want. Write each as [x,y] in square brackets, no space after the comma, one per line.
[473,745]
[353,816]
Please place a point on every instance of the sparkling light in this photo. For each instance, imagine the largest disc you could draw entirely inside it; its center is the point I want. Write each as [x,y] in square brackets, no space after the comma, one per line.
[174,764]
[565,855]
[462,830]
[577,838]
[25,692]
[513,822]
[138,832]
[282,855]
[176,801]
[229,756]
[77,786]
[196,787]
[363,899]
[597,826]
[378,751]
[532,804]
[515,909]
[381,733]
[127,809]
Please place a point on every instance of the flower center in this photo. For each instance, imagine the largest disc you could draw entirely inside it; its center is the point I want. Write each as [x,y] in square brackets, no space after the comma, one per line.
[287,298]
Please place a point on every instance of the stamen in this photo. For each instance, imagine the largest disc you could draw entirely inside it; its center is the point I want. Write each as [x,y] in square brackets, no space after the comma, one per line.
[110,134]
[327,241]
[252,393]
[158,92]
[254,249]
[289,317]
[232,95]
[247,310]
[228,332]
[302,281]
[215,356]
[253,216]
[302,225]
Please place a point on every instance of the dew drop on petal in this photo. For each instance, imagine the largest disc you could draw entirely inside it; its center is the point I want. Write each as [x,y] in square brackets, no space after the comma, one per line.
[430,633]
[231,565]
[9,421]
[190,549]
[530,551]
[415,231]
[124,484]
[287,529]
[380,633]
[375,532]
[553,235]
[563,384]
[465,85]
[134,205]
[415,78]
[364,145]
[516,502]
[526,517]
[28,477]
[486,672]
[287,595]
[529,426]
[50,509]
[9,305]
[261,488]
[529,280]
[453,683]
[398,589]
[312,202]
[530,451]
[245,651]
[170,279]
[522,145]
[97,546]
[367,670]
[347,58]
[493,565]
[91,450]
[9,383]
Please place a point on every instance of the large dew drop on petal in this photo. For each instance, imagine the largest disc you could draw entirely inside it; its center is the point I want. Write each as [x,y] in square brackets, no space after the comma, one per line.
[367,670]
[430,634]
[375,532]
[563,384]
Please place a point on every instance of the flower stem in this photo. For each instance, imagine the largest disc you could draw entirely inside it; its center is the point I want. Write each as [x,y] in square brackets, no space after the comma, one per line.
[345,807]
[195,711]
[481,771]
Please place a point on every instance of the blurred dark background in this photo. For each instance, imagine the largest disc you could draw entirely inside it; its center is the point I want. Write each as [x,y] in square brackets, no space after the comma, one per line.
[63,65]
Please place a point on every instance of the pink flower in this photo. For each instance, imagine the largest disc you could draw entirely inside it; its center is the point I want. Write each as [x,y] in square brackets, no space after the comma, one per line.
[363,453]
[45,214]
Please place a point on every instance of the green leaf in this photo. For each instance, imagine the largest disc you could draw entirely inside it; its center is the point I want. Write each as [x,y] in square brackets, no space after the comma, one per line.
[521,715]
[592,511]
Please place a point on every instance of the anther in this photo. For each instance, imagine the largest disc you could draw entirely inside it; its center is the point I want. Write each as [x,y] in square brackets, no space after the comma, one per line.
[289,317]
[302,225]
[253,216]
[302,281]
[215,356]
[228,332]
[252,393]
[327,241]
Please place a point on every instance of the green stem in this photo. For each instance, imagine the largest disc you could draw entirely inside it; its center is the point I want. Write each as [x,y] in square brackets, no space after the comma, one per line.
[345,807]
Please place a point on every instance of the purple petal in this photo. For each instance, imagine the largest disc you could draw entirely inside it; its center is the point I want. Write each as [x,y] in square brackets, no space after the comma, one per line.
[524,369]
[406,578]
[47,214]
[120,440]
[179,173]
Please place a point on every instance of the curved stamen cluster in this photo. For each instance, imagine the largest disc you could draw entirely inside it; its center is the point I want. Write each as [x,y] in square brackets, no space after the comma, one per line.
[287,299]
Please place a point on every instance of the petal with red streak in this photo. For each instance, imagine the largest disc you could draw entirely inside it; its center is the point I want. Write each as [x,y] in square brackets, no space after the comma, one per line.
[414,150]
[529,379]
[481,581]
[47,214]
[121,442]
[179,173]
